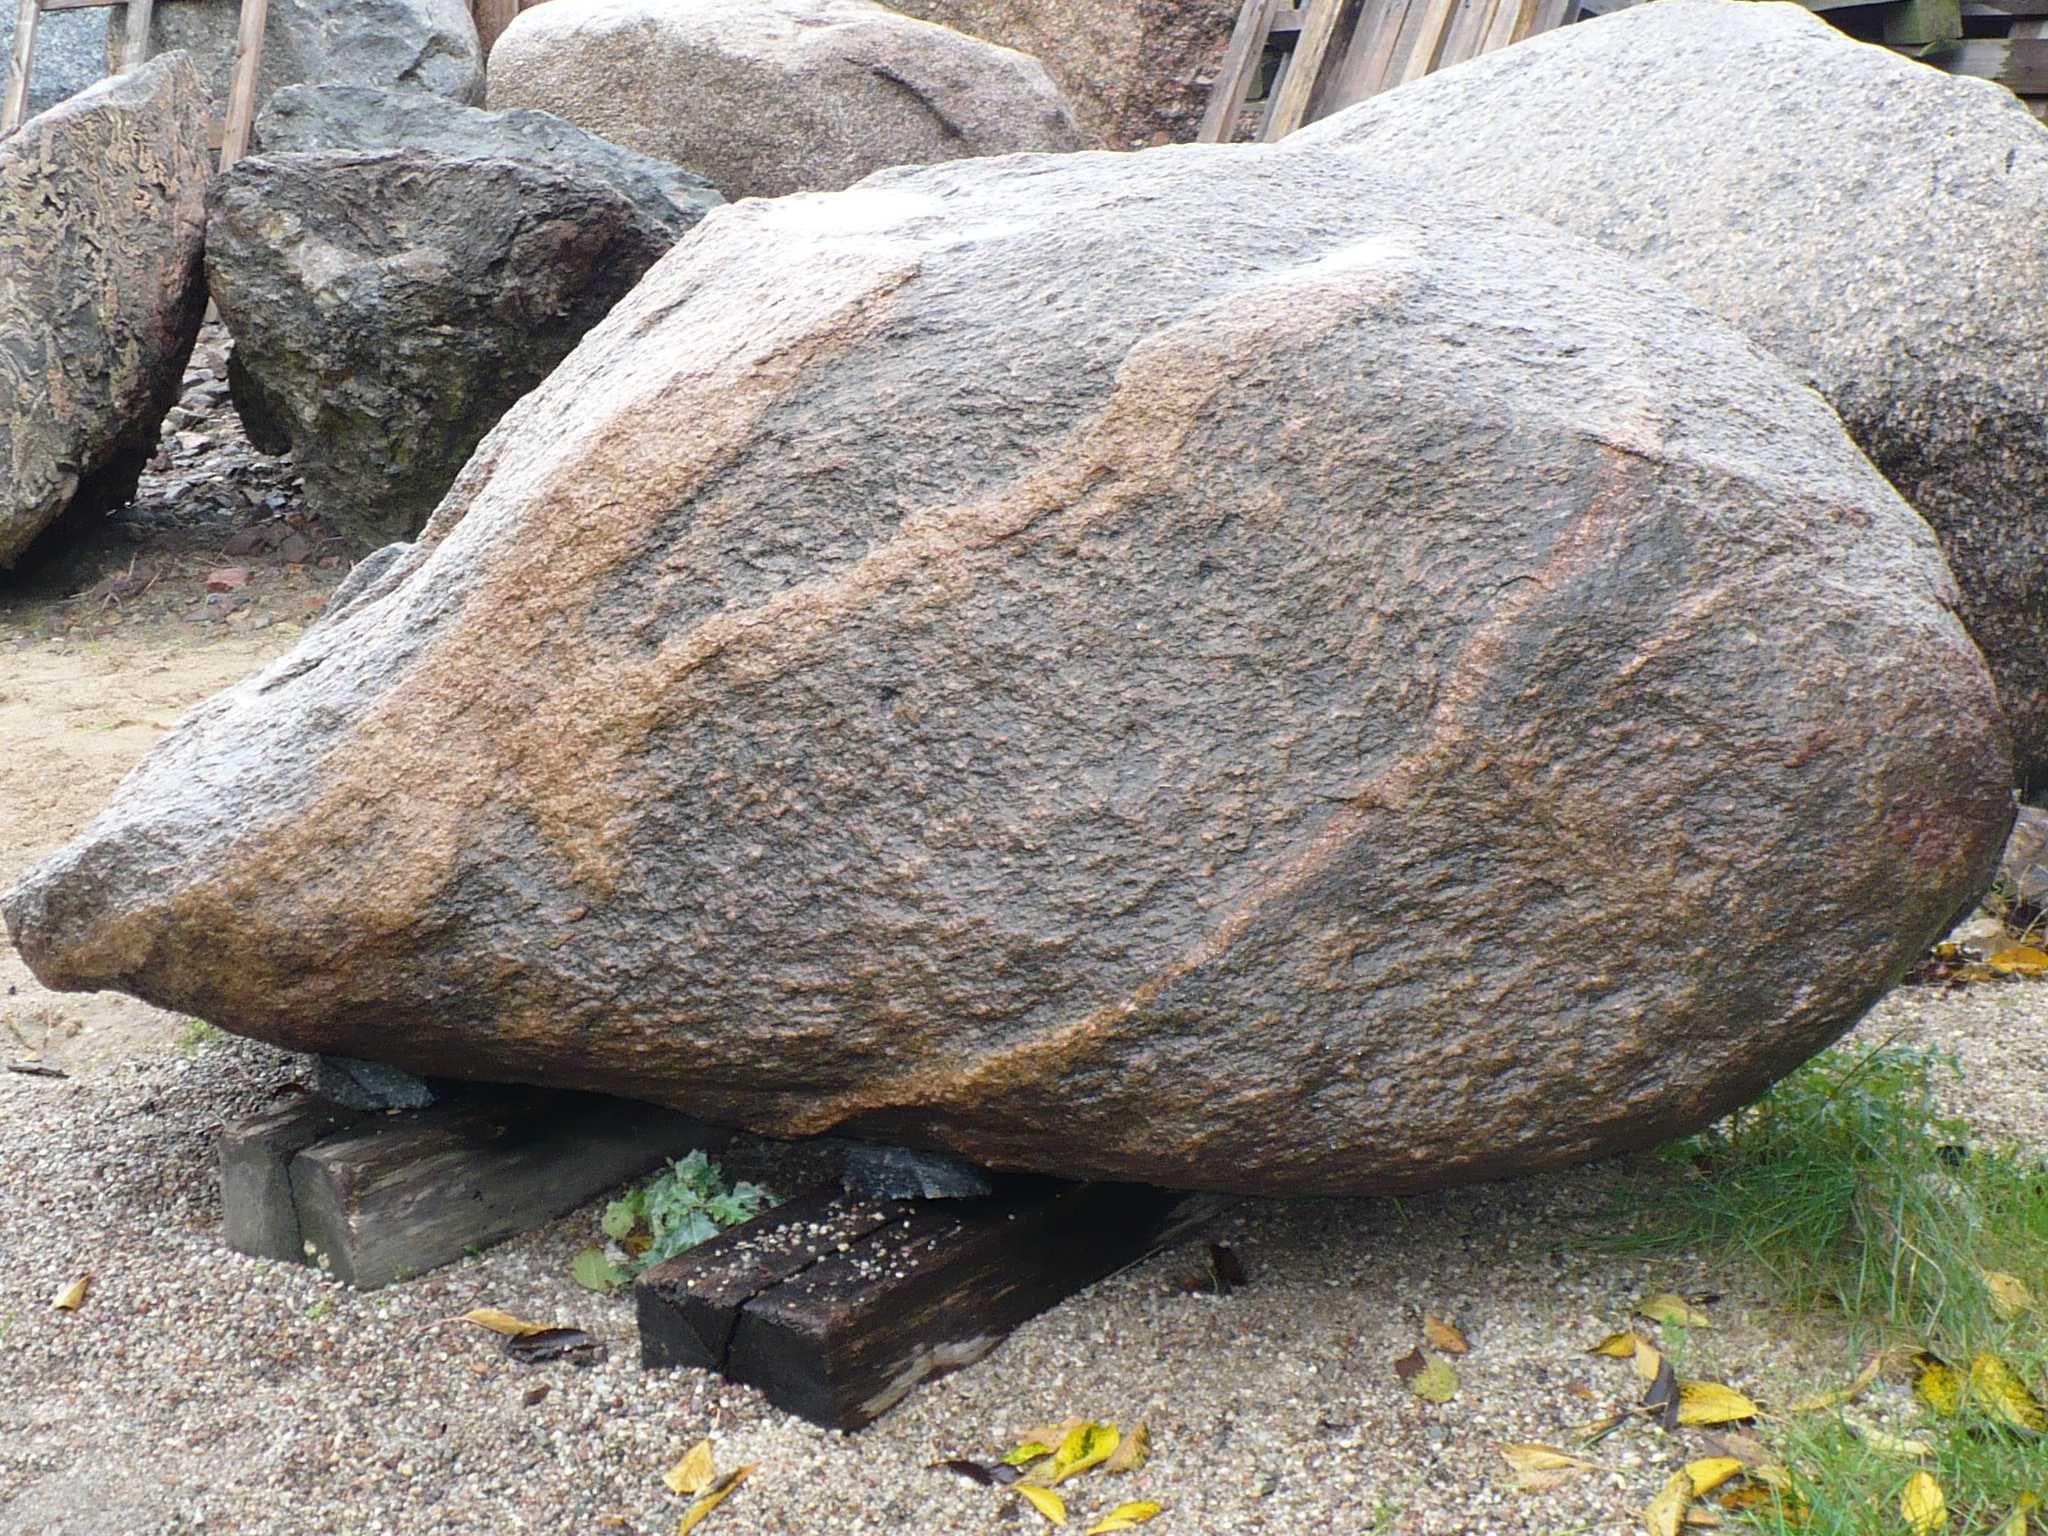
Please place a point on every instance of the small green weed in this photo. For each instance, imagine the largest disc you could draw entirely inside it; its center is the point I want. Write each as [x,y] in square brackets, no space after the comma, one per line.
[680,1207]
[196,1034]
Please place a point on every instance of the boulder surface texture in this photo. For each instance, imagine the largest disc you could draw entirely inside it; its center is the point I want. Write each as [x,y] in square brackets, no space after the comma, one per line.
[777,96]
[420,45]
[1199,667]
[387,307]
[102,224]
[1137,73]
[303,119]
[1875,223]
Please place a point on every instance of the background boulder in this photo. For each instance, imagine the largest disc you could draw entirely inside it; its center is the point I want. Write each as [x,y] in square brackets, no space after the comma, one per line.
[1873,222]
[777,96]
[422,45]
[102,222]
[1205,666]
[1137,73]
[387,307]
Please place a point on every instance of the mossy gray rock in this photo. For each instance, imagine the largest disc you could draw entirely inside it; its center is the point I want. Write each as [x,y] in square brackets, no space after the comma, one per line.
[102,221]
[1209,667]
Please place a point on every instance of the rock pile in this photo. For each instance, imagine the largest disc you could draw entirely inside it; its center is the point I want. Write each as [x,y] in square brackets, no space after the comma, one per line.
[1874,223]
[779,96]
[101,229]
[1359,693]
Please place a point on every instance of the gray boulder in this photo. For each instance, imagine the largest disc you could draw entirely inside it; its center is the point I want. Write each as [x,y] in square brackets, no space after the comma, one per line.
[102,222]
[1873,222]
[305,118]
[777,96]
[1204,667]
[387,307]
[420,45]
[71,53]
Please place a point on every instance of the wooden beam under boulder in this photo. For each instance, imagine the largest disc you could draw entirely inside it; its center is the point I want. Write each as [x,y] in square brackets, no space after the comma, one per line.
[836,1307]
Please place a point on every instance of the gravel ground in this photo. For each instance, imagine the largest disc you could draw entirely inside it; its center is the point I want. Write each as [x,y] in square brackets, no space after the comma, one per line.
[200,1391]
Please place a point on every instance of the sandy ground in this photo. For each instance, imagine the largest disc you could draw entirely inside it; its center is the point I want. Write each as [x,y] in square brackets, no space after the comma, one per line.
[197,1390]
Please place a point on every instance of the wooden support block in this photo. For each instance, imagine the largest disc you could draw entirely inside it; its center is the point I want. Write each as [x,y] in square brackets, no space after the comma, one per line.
[256,1210]
[2018,63]
[835,1309]
[404,1193]
[1916,23]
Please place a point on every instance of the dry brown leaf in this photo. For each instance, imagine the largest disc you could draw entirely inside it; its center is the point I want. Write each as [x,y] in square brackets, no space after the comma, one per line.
[1444,1337]
[1708,1402]
[1046,1434]
[1673,1311]
[1667,1511]
[1540,1468]
[503,1323]
[1744,1447]
[1703,1516]
[72,1297]
[1840,1395]
[1921,1502]
[694,1473]
[1045,1501]
[1601,1428]
[712,1497]
[1131,1451]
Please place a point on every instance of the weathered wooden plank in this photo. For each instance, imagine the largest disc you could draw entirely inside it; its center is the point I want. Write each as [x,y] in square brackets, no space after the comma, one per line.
[412,1191]
[256,1210]
[2018,63]
[19,65]
[688,1306]
[1419,55]
[2000,10]
[1290,103]
[1369,56]
[1242,56]
[935,1286]
[135,34]
[241,116]
[1916,23]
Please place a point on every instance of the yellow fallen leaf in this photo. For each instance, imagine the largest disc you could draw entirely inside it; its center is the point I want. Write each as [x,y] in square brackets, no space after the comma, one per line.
[1046,1434]
[2018,960]
[1888,1444]
[1125,1516]
[1920,1501]
[1540,1468]
[1444,1337]
[503,1323]
[72,1297]
[1705,1516]
[694,1473]
[1667,1511]
[1648,1361]
[1711,1472]
[1617,1346]
[1708,1402]
[1045,1501]
[2009,1294]
[712,1497]
[1437,1383]
[1672,1310]
[1085,1446]
[1130,1452]
[1938,1384]
[1030,1450]
[1840,1395]
[1601,1428]
[2014,1524]
[1998,1390]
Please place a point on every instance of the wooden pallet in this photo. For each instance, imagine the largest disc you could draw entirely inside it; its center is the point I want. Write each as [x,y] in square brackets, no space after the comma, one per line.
[836,1308]
[230,136]
[375,1198]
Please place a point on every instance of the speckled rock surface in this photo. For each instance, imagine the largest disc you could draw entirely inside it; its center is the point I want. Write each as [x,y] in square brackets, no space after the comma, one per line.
[71,53]
[777,96]
[1137,73]
[1292,711]
[388,307]
[303,119]
[1873,222]
[422,45]
[102,219]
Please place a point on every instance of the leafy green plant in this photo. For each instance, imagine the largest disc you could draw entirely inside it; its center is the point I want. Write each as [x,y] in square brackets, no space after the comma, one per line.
[196,1035]
[680,1207]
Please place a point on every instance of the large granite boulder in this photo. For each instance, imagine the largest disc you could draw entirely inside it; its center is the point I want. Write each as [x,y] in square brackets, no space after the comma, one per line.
[304,119]
[419,45]
[1873,222]
[1199,666]
[71,53]
[777,96]
[1137,73]
[389,305]
[102,223]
